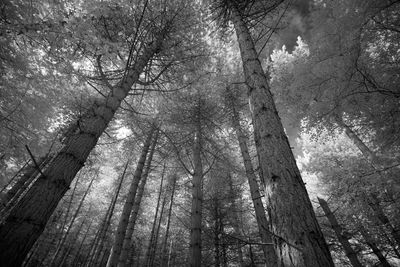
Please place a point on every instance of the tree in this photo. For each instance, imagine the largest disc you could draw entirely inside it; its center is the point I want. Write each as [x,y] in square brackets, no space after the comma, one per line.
[298,238]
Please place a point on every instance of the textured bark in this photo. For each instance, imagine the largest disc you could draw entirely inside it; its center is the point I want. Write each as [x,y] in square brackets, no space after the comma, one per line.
[261,218]
[135,209]
[127,209]
[164,259]
[153,228]
[27,221]
[298,238]
[371,243]
[350,253]
[197,201]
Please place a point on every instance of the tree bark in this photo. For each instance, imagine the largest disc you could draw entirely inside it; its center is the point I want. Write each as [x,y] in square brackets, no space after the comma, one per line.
[135,209]
[197,200]
[350,253]
[298,237]
[123,222]
[261,218]
[27,221]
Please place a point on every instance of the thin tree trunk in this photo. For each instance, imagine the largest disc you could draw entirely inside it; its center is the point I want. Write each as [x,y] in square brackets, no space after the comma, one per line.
[69,249]
[371,243]
[127,209]
[135,209]
[27,221]
[368,153]
[216,233]
[64,238]
[236,223]
[98,245]
[164,260]
[261,218]
[373,202]
[77,256]
[298,237]
[157,233]
[348,250]
[197,200]
[153,229]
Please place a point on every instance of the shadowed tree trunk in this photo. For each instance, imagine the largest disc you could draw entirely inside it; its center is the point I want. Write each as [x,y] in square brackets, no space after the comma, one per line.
[27,220]
[372,244]
[99,243]
[153,228]
[298,237]
[262,222]
[135,209]
[350,253]
[164,259]
[127,209]
[197,199]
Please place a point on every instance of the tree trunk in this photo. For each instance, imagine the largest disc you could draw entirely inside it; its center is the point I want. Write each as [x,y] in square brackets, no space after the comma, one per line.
[64,238]
[373,202]
[298,237]
[123,222]
[262,222]
[236,223]
[368,153]
[153,228]
[371,243]
[98,245]
[27,221]
[157,233]
[135,209]
[77,256]
[197,201]
[216,233]
[164,259]
[350,253]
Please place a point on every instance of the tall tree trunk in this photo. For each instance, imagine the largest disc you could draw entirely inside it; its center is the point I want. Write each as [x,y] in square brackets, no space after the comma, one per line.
[29,174]
[365,150]
[372,244]
[350,253]
[157,233]
[123,221]
[98,244]
[27,221]
[77,256]
[135,209]
[153,228]
[197,200]
[380,215]
[64,238]
[236,222]
[261,218]
[217,233]
[298,237]
[164,259]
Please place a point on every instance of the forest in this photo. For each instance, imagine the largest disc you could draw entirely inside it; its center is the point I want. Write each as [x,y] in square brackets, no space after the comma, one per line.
[200,133]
